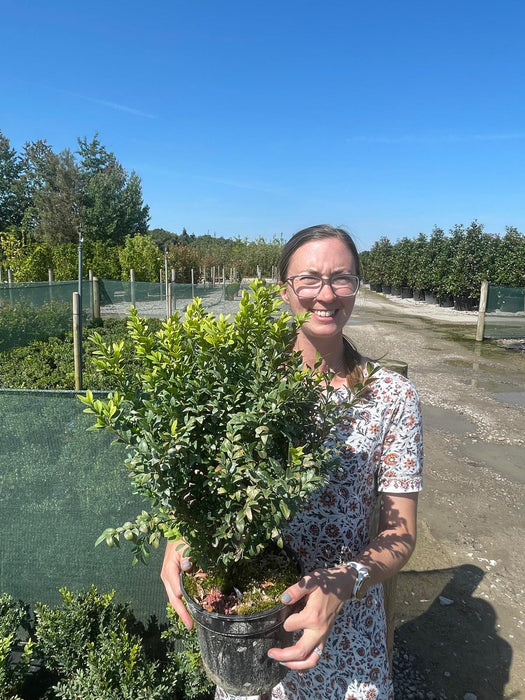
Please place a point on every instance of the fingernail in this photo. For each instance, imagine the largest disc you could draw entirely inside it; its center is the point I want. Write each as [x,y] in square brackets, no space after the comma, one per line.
[186,564]
[270,655]
[286,598]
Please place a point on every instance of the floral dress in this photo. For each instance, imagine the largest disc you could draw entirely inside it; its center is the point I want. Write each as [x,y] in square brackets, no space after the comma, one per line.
[379,442]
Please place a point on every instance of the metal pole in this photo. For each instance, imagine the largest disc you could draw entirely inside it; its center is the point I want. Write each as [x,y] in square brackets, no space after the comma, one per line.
[483,298]
[80,242]
[167,282]
[77,339]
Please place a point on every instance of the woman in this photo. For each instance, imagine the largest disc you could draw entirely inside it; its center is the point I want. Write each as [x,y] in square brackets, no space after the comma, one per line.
[340,650]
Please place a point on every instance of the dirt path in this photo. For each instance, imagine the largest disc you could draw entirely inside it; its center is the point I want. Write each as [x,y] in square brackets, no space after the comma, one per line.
[461,600]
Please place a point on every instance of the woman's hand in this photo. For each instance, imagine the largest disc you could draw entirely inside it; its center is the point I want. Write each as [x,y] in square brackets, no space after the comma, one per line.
[173,563]
[325,591]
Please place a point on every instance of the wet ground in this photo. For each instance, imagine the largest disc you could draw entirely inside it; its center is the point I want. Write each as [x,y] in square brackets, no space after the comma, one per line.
[460,608]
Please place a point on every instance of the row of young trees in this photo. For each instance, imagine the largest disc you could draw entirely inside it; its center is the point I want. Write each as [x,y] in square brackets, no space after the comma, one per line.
[451,265]
[30,262]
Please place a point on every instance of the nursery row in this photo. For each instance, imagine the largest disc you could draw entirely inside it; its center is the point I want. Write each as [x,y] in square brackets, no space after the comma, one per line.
[446,267]
[92,648]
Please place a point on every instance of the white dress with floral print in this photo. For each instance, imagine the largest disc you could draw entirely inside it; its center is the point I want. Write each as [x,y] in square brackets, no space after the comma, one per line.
[379,441]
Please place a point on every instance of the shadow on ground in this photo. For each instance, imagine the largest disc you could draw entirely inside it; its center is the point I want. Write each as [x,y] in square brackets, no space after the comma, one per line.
[450,635]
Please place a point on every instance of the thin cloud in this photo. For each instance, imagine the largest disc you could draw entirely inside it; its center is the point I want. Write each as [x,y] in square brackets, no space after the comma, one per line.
[437,139]
[112,105]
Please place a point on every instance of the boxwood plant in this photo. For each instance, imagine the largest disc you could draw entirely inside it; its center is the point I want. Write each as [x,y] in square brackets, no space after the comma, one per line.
[225,428]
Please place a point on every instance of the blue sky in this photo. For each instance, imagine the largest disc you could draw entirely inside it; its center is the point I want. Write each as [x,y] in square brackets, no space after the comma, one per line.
[259,118]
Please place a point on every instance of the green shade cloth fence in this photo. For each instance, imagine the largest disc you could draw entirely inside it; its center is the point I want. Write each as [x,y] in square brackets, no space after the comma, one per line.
[60,487]
[505,314]
[39,310]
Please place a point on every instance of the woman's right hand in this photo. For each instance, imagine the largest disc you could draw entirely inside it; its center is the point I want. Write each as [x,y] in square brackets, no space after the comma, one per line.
[173,563]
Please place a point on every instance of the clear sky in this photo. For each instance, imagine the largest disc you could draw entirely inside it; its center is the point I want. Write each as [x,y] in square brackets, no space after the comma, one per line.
[257,118]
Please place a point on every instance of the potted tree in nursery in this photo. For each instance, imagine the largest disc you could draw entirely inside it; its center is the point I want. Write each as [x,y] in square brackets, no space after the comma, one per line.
[226,432]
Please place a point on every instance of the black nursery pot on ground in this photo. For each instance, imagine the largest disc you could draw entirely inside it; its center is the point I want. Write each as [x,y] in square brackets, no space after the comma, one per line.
[234,648]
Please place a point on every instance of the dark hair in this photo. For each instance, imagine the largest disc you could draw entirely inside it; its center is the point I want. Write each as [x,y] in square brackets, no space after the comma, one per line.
[315,233]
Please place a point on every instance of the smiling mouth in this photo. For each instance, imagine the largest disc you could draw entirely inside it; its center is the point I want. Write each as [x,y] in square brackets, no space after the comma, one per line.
[324,314]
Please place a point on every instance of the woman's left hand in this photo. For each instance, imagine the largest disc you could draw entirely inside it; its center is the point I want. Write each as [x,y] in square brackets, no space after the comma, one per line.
[325,591]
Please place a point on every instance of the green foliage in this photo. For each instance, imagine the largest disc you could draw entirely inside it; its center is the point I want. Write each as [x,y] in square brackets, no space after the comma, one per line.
[49,364]
[96,651]
[20,324]
[449,265]
[103,259]
[13,665]
[231,290]
[52,197]
[182,259]
[400,265]
[62,634]
[224,426]
[142,255]
[92,646]
[380,262]
[65,261]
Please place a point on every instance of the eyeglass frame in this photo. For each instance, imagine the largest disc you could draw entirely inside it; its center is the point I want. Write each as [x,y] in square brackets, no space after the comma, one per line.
[325,280]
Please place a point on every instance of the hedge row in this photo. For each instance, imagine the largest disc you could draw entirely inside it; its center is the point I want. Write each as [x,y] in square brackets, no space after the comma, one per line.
[91,648]
[446,266]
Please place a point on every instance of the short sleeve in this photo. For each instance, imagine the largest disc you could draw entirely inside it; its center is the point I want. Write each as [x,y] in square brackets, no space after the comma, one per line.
[401,461]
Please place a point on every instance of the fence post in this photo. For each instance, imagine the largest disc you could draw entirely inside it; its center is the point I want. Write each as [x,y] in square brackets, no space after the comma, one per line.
[95,293]
[77,340]
[192,284]
[50,280]
[10,285]
[132,284]
[483,298]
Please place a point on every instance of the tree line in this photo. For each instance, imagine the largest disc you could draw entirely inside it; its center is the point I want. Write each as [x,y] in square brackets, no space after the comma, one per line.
[447,266]
[50,201]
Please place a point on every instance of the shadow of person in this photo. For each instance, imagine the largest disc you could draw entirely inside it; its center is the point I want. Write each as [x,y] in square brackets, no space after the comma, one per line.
[450,634]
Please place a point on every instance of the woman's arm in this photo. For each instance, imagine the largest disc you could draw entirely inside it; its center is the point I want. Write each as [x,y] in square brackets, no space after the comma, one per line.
[326,590]
[172,565]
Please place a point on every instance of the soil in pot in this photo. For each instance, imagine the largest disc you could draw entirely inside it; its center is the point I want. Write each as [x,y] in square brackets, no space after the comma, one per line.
[234,647]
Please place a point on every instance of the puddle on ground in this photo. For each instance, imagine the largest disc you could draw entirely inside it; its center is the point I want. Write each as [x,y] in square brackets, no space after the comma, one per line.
[448,421]
[516,398]
[508,460]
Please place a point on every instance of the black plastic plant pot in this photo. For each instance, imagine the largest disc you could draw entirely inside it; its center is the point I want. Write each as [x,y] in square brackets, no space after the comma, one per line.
[234,648]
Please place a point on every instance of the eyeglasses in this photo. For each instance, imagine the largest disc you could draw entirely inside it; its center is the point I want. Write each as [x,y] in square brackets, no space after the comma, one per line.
[309,286]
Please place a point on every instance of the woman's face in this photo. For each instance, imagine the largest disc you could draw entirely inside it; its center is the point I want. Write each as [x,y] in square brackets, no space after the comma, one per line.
[325,257]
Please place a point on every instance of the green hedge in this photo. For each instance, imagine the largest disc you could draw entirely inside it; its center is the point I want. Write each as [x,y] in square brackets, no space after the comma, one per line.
[90,648]
[448,265]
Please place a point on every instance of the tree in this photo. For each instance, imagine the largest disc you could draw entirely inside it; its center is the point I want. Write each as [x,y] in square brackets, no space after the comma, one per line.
[142,255]
[11,202]
[112,206]
[401,256]
[37,159]
[509,267]
[183,259]
[58,203]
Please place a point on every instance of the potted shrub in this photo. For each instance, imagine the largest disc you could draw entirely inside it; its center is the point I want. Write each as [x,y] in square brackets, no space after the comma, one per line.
[226,435]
